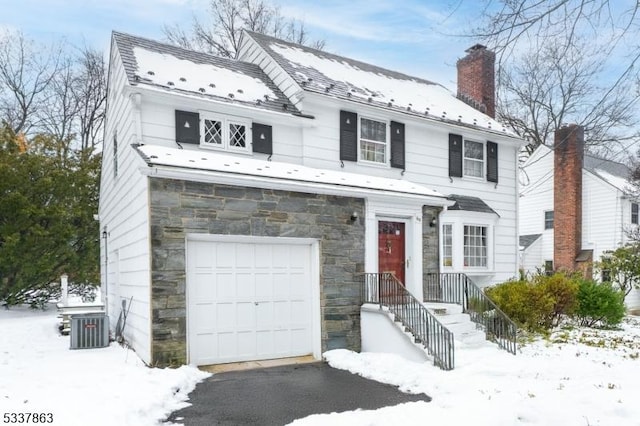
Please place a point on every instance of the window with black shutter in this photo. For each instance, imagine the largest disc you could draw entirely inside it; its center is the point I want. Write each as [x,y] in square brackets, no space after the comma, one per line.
[492,162]
[187,127]
[397,145]
[348,136]
[262,138]
[455,155]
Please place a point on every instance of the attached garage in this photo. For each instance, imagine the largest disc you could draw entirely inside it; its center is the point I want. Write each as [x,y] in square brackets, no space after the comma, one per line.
[251,298]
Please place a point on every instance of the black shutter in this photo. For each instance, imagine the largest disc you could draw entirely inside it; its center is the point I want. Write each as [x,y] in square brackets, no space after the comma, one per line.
[187,127]
[455,155]
[348,136]
[397,145]
[262,138]
[492,162]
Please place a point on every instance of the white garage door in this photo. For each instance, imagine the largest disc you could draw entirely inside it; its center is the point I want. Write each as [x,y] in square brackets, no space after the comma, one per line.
[248,301]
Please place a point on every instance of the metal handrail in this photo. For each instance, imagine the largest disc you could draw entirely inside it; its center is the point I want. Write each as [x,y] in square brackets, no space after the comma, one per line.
[385,290]
[459,289]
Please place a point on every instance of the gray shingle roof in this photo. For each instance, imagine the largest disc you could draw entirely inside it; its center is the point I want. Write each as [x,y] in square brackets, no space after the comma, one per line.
[472,204]
[592,163]
[527,240]
[446,108]
[126,43]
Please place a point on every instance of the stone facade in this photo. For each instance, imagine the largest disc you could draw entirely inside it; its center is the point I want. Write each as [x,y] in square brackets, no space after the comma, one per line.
[567,196]
[181,207]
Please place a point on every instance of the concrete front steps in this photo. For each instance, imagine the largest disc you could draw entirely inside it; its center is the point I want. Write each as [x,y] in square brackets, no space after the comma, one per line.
[451,316]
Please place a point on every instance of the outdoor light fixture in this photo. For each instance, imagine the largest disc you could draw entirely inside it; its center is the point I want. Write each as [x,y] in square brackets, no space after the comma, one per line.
[354,216]
[433,222]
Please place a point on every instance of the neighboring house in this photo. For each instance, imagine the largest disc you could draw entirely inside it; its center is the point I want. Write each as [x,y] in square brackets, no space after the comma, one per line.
[573,207]
[241,199]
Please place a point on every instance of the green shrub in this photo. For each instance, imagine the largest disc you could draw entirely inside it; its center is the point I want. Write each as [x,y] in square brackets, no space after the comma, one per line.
[539,304]
[563,290]
[599,303]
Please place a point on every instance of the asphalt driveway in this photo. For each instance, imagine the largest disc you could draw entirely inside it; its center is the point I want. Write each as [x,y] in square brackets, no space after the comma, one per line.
[279,395]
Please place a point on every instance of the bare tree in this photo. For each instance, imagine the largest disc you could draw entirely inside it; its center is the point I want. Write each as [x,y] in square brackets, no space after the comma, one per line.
[566,61]
[553,84]
[26,72]
[90,90]
[221,35]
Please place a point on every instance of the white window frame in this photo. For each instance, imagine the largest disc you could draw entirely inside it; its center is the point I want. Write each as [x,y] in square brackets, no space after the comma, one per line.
[484,235]
[387,142]
[447,255]
[226,122]
[483,161]
[458,219]
[544,225]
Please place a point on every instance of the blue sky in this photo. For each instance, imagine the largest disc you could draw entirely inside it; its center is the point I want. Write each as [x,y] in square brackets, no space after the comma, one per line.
[411,36]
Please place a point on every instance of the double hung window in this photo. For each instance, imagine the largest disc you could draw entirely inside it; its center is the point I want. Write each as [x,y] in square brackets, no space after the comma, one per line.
[373,140]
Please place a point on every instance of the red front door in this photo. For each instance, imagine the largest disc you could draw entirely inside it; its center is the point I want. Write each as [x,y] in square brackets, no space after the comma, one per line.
[391,248]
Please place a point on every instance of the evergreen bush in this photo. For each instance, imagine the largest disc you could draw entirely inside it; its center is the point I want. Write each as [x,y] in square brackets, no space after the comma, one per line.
[599,303]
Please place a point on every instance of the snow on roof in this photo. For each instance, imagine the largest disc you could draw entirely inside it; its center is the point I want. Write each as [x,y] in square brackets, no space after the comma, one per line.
[619,182]
[170,68]
[334,75]
[217,162]
[166,70]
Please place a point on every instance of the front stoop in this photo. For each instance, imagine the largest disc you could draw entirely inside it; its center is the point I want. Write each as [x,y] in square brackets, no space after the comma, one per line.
[451,316]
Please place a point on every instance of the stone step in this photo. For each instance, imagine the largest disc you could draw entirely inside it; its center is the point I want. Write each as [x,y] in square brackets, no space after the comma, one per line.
[443,308]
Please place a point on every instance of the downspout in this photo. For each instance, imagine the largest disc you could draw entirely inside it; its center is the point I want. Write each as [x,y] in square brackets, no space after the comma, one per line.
[105,234]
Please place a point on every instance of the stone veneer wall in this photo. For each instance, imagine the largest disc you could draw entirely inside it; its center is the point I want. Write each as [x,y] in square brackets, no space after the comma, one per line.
[182,207]
[430,246]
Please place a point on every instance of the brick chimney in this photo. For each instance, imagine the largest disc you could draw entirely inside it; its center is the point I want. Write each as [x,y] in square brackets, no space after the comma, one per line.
[476,79]
[567,196]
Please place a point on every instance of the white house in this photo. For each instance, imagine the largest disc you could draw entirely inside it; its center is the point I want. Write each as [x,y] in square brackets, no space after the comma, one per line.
[241,199]
[586,198]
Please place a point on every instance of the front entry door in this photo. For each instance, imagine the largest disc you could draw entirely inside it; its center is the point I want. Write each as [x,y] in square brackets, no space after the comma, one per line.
[391,249]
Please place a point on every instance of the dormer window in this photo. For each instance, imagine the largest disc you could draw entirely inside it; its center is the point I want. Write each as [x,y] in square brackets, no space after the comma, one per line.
[224,133]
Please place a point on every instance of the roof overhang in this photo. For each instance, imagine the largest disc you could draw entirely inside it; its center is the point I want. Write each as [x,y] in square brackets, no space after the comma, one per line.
[210,166]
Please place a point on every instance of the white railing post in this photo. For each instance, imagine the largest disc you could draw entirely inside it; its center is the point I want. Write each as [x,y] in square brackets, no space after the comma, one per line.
[64,284]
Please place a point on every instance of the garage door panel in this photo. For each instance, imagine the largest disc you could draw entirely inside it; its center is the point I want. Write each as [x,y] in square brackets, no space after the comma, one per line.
[245,256]
[245,285]
[203,286]
[299,339]
[264,315]
[299,312]
[225,318]
[225,286]
[206,345]
[263,285]
[227,347]
[224,258]
[246,343]
[264,342]
[281,314]
[280,256]
[281,284]
[248,301]
[245,317]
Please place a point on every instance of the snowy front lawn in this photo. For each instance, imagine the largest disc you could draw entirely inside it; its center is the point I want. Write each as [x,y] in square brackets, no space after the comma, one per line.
[582,377]
[106,386]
